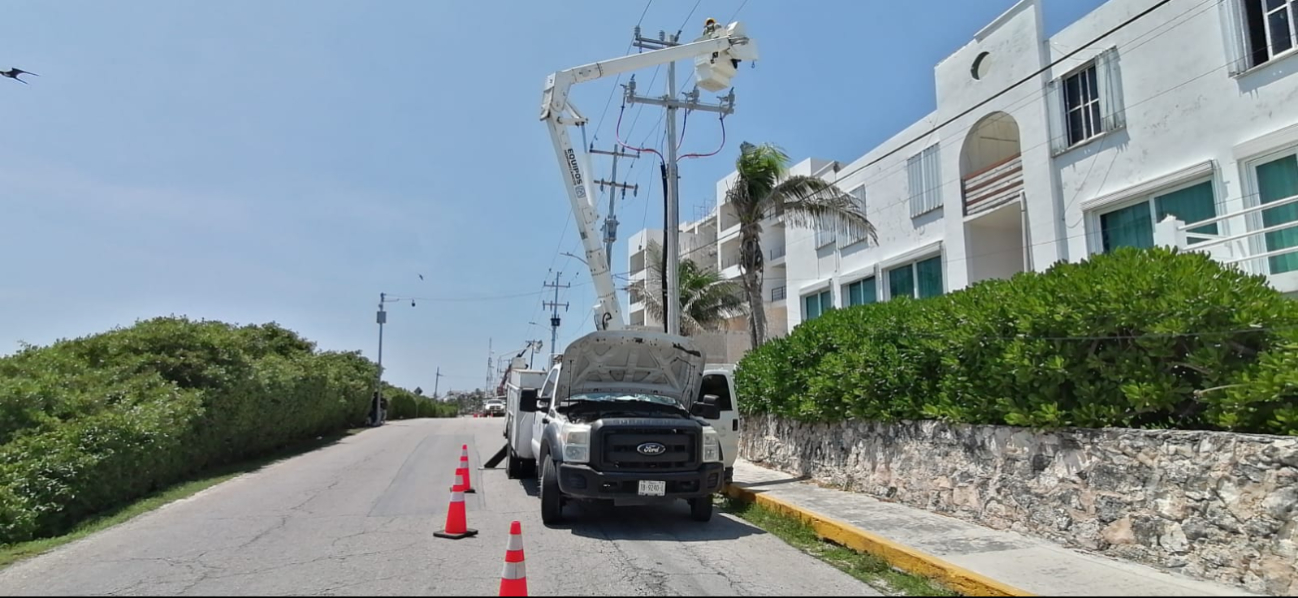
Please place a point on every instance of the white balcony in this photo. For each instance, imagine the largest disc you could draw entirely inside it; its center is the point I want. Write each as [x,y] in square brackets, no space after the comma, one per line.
[993,186]
[1257,250]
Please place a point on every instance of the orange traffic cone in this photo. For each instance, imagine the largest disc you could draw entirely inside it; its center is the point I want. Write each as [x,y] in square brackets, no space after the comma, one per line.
[456,524]
[513,580]
[463,470]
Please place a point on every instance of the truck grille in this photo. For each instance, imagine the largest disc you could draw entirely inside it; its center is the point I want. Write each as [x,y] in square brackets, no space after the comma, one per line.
[619,450]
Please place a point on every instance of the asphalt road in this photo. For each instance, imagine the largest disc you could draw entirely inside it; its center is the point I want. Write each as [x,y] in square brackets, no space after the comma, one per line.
[358,517]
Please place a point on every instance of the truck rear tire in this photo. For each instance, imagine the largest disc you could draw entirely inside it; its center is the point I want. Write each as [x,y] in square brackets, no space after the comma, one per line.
[551,499]
[513,469]
[701,508]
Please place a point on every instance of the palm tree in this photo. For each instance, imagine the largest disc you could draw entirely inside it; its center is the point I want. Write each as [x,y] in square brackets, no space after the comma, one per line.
[765,188]
[707,300]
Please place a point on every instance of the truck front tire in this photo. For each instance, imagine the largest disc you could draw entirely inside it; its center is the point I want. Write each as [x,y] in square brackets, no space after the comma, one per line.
[551,498]
[701,508]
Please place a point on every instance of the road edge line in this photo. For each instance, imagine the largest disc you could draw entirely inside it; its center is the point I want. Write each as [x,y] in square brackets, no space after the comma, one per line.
[898,555]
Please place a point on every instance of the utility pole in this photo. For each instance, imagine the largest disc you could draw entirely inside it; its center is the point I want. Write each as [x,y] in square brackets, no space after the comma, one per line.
[554,310]
[671,224]
[436,381]
[382,319]
[491,373]
[610,221]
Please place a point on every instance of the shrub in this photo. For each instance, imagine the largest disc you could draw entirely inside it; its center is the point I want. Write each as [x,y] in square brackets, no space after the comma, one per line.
[1137,338]
[403,404]
[90,423]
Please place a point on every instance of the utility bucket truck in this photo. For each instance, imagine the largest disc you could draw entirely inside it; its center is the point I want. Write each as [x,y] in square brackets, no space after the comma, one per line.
[630,416]
[625,419]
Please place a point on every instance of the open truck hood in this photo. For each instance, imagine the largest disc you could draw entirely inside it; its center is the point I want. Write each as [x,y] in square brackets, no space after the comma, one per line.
[633,361]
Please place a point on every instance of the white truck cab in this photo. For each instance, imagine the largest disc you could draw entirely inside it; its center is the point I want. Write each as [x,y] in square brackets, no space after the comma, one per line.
[634,417]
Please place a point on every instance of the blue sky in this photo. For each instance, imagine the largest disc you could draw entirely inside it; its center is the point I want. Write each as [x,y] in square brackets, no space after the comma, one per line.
[288,161]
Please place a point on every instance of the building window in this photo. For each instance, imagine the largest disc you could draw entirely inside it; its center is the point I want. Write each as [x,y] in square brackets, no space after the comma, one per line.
[855,233]
[815,305]
[1277,180]
[1270,27]
[918,280]
[824,235]
[1133,226]
[1082,105]
[860,292]
[1087,103]
[925,176]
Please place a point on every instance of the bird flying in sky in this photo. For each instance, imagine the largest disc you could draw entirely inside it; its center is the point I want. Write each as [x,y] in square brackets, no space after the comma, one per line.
[13,73]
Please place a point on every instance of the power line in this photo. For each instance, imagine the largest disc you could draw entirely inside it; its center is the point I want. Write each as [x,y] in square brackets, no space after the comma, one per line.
[1126,108]
[600,124]
[1035,95]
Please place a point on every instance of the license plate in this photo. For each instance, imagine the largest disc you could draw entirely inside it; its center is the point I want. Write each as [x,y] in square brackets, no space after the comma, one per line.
[648,488]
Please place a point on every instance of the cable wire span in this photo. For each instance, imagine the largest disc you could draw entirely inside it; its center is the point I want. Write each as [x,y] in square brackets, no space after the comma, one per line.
[719,148]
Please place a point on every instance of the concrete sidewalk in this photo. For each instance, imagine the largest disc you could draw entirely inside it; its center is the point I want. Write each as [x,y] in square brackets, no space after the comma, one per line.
[981,556]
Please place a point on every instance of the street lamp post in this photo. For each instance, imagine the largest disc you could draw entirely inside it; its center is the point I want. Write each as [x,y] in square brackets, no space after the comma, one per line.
[382,318]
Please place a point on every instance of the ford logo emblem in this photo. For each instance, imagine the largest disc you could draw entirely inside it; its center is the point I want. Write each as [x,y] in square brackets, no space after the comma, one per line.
[651,448]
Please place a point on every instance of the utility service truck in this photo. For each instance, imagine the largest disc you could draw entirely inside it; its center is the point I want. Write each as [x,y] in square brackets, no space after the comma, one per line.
[627,416]
[633,417]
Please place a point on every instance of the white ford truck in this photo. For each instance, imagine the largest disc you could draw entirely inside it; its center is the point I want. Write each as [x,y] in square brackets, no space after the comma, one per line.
[633,417]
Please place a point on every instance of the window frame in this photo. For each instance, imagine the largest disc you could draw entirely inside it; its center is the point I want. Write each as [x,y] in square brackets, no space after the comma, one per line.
[925,168]
[1094,217]
[825,236]
[847,290]
[1254,221]
[1246,39]
[913,265]
[1109,101]
[820,296]
[1091,110]
[859,197]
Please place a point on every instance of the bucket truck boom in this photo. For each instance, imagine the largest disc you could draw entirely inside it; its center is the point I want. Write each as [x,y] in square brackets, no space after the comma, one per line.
[716,55]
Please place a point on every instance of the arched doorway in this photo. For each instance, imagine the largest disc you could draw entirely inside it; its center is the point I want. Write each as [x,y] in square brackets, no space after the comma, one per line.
[991,180]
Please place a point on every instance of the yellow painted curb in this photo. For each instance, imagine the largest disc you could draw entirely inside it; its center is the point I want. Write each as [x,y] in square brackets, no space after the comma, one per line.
[903,557]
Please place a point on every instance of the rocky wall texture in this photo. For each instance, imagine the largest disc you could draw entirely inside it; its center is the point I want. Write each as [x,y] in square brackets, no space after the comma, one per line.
[1208,504]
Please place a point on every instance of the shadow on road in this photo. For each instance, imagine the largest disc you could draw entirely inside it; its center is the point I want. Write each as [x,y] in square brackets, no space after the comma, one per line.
[666,522]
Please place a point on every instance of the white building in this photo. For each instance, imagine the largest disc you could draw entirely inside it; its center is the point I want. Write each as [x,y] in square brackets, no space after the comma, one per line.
[697,240]
[1189,111]
[775,278]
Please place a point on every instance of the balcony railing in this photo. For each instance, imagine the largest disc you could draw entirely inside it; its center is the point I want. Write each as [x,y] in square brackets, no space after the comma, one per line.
[993,186]
[779,293]
[1255,251]
[777,252]
[728,261]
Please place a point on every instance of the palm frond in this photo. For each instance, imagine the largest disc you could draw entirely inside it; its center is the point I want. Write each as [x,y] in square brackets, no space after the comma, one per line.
[810,202]
[707,300]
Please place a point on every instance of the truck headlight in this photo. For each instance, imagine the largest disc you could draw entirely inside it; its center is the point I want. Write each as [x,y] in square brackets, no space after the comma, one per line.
[576,443]
[711,447]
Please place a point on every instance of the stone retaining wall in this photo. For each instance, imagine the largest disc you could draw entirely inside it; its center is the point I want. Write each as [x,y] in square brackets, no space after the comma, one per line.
[1208,504]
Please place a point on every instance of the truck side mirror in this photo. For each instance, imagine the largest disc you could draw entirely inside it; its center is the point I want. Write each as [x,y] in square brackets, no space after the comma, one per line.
[543,404]
[527,401]
[706,407]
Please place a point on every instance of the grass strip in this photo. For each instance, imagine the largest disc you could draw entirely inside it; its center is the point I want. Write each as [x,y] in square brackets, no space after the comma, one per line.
[866,567]
[12,553]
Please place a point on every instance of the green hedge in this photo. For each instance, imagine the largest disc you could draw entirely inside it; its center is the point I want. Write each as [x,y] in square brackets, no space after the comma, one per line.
[91,423]
[1138,338]
[403,404]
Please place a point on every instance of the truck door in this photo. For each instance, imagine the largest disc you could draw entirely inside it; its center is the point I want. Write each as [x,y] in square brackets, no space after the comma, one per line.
[546,395]
[719,383]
